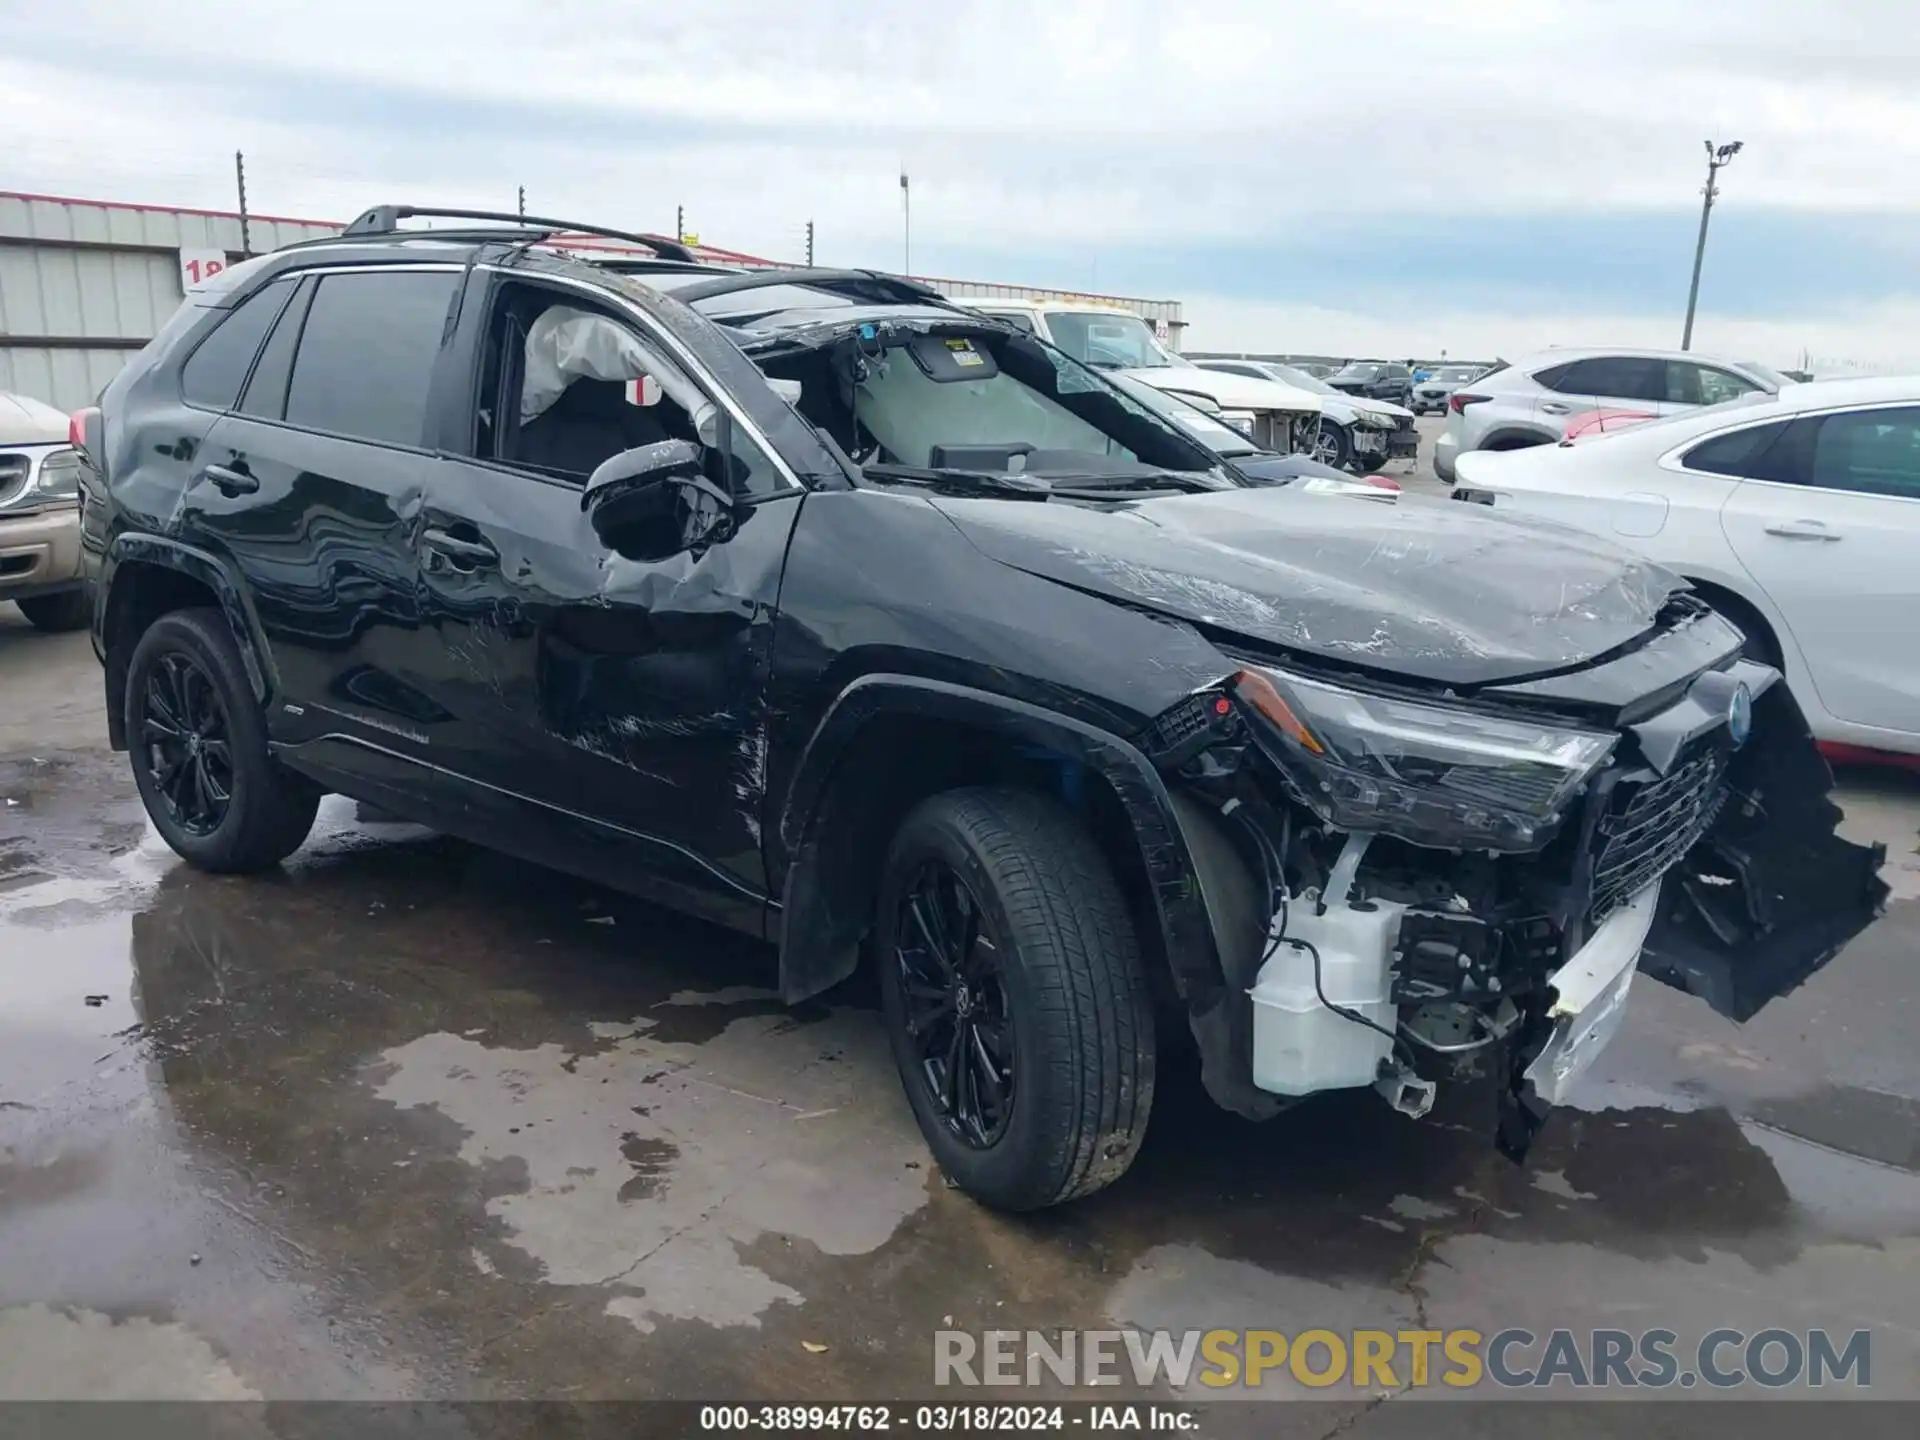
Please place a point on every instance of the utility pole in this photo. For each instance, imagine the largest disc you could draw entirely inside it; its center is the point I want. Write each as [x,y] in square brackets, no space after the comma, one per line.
[680,224]
[906,225]
[240,179]
[523,202]
[1717,159]
[809,244]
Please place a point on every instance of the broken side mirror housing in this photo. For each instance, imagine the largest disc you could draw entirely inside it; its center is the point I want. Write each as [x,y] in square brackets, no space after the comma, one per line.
[653,502]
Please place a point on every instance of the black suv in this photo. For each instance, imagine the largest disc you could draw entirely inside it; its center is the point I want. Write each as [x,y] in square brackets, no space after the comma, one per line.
[825,608]
[1375,380]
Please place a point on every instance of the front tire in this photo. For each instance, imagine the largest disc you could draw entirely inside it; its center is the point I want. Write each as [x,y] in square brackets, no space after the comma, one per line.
[1332,446]
[1014,998]
[68,610]
[198,744]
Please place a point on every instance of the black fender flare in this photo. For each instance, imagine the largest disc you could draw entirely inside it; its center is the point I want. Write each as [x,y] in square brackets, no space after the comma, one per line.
[819,942]
[207,569]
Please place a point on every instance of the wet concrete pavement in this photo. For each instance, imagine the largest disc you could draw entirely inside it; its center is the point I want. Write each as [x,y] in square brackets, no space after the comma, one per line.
[415,1120]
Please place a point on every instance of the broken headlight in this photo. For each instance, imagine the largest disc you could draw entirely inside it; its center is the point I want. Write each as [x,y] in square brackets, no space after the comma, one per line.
[1432,774]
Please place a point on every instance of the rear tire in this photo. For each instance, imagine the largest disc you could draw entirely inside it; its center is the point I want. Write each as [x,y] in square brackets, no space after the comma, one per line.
[68,610]
[198,743]
[1051,992]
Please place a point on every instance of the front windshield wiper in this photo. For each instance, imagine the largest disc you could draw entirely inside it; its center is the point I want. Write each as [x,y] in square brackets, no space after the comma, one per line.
[1096,483]
[1003,482]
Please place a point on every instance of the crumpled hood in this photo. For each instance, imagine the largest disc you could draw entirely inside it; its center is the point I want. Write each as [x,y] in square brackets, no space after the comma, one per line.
[1424,588]
[1229,392]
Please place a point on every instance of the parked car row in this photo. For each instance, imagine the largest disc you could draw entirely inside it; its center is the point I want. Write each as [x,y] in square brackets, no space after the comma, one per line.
[822,606]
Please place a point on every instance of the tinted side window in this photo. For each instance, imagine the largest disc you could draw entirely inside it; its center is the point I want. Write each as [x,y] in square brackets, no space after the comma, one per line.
[1015,319]
[1743,453]
[367,353]
[216,370]
[1691,384]
[1619,376]
[266,392]
[1873,452]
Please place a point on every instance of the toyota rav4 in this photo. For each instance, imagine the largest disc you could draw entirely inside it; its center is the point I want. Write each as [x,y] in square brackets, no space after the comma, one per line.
[824,608]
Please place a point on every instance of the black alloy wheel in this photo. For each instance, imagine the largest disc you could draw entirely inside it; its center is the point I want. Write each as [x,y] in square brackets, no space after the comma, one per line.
[197,740]
[958,1019]
[185,743]
[1014,997]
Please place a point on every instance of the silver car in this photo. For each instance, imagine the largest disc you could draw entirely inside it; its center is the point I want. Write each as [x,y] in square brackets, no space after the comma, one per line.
[1355,433]
[1431,393]
[40,516]
[1532,401]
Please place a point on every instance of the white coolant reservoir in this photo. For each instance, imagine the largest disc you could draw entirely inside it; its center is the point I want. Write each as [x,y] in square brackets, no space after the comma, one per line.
[1299,1045]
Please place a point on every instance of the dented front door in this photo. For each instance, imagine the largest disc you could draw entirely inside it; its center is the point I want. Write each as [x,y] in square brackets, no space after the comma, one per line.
[619,703]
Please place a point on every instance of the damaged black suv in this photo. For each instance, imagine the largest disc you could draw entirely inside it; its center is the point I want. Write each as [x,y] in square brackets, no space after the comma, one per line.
[823,607]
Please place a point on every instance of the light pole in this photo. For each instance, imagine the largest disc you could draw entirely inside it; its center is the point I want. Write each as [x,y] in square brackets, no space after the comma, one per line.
[906,225]
[1717,159]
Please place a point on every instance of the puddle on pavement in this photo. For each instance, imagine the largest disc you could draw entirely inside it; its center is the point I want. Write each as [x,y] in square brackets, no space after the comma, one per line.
[651,1162]
[503,1106]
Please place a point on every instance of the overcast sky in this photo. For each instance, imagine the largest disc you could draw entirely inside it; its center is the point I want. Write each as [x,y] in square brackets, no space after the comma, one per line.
[1349,176]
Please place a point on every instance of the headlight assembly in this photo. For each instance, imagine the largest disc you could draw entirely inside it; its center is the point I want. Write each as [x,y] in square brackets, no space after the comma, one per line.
[1432,774]
[59,476]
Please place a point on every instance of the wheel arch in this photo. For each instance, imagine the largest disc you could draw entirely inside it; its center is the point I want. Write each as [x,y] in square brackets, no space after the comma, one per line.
[889,741]
[150,576]
[1745,612]
[1516,437]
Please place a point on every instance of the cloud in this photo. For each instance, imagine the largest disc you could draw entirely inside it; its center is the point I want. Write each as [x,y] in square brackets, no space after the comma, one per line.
[1341,156]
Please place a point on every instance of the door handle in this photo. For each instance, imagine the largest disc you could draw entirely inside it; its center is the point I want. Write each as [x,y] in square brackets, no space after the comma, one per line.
[1801,530]
[1554,407]
[460,554]
[229,481]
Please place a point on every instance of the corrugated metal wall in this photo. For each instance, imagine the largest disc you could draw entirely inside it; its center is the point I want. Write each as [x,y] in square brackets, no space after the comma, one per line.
[84,285]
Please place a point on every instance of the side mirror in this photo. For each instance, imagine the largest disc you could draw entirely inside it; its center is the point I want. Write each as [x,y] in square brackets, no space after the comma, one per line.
[653,502]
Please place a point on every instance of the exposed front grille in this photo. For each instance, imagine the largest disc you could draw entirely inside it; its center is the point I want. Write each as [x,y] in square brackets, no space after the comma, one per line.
[1651,824]
[1406,425]
[13,475]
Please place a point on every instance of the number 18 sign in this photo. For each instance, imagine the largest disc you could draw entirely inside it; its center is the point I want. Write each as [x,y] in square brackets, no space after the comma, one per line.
[197,267]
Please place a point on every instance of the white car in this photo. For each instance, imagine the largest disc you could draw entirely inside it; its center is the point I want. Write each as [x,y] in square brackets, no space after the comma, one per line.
[1277,417]
[1532,401]
[1796,514]
[1355,431]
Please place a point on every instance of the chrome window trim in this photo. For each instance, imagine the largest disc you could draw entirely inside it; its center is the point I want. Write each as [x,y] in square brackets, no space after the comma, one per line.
[678,352]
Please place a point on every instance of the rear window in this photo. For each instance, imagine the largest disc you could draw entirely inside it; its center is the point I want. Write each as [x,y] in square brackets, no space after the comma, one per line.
[217,369]
[1740,453]
[367,353]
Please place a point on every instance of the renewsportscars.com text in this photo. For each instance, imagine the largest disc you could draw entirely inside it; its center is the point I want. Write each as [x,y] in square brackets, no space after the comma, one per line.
[1396,1359]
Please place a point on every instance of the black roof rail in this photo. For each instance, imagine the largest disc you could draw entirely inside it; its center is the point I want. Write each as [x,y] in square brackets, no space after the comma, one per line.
[385,220]
[894,286]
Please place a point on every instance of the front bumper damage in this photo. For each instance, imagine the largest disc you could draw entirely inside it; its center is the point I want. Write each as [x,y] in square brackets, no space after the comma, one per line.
[1709,865]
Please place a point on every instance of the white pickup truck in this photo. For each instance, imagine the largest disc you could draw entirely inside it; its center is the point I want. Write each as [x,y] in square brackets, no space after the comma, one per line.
[1277,417]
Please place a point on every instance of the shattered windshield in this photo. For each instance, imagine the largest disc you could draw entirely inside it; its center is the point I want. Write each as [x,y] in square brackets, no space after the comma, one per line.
[1110,339]
[930,400]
